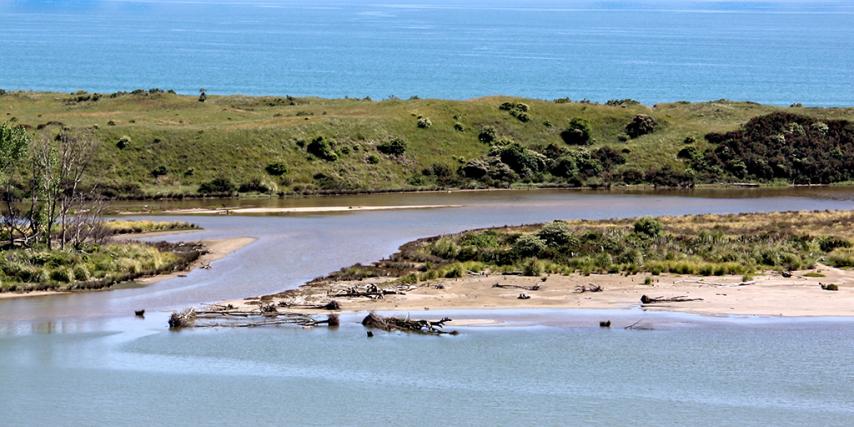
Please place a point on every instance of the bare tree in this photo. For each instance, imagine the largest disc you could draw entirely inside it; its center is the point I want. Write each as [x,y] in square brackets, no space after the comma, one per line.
[59,166]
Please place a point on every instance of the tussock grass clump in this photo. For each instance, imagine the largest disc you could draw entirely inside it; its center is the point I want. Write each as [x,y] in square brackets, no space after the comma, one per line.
[92,267]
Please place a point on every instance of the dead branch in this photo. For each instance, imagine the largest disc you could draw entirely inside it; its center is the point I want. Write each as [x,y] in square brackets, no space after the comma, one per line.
[371,291]
[652,300]
[580,289]
[183,319]
[527,288]
[423,327]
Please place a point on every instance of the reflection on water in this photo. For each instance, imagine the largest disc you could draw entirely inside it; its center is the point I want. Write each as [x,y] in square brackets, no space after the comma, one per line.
[292,249]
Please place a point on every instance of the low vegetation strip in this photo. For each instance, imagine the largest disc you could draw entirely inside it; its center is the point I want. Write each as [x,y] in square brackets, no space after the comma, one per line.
[695,245]
[92,267]
[153,143]
[138,227]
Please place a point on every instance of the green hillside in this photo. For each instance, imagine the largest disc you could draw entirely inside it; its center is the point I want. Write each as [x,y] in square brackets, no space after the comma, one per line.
[154,142]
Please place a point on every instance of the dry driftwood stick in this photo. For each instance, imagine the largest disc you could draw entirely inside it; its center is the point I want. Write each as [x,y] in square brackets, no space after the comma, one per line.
[652,300]
[527,288]
[726,285]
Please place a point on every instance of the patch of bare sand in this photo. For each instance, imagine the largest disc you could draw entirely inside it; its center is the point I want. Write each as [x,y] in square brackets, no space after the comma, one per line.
[769,294]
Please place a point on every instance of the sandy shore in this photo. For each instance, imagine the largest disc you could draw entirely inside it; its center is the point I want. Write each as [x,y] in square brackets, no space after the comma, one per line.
[217,249]
[297,210]
[765,295]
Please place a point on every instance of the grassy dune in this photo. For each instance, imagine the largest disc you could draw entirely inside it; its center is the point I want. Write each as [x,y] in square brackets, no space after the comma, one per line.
[174,143]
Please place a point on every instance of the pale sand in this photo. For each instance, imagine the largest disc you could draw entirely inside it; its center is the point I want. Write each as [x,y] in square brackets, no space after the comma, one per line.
[766,295]
[217,249]
[299,210]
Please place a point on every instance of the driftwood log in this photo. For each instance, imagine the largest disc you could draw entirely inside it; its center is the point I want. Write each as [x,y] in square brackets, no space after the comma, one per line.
[263,315]
[423,327]
[580,289]
[652,300]
[527,288]
[371,291]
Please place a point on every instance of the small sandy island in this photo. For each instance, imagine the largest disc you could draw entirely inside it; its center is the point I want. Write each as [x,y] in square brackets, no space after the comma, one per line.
[294,210]
[768,294]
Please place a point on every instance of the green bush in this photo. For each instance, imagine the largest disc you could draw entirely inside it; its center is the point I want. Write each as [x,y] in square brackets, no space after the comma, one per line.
[578,132]
[322,149]
[258,185]
[841,258]
[123,142]
[555,234]
[276,169]
[393,147]
[648,226]
[217,186]
[487,134]
[533,268]
[424,122]
[159,171]
[528,245]
[373,159]
[640,125]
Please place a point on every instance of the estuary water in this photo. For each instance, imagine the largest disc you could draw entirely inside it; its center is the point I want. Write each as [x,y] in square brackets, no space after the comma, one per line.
[84,359]
[768,51]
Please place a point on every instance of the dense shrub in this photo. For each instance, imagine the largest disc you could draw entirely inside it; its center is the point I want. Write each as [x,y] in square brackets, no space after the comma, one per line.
[578,132]
[393,147]
[321,148]
[424,122]
[640,125]
[632,176]
[608,157]
[159,171]
[528,245]
[621,102]
[258,185]
[123,142]
[555,234]
[521,160]
[648,226]
[487,134]
[669,177]
[276,169]
[217,186]
[783,145]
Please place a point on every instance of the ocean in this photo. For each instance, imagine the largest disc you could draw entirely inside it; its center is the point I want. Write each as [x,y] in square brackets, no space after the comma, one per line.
[776,52]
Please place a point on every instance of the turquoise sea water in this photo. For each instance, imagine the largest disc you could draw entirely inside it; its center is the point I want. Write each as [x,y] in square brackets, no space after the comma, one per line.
[766,51]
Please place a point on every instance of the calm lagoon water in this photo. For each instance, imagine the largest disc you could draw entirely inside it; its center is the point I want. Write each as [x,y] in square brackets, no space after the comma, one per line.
[766,51]
[84,359]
